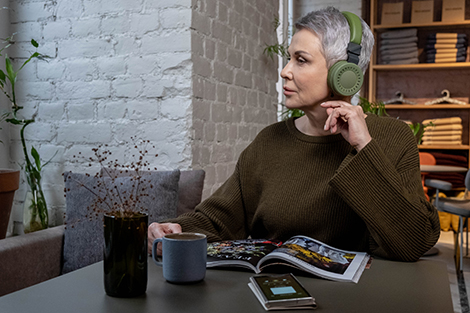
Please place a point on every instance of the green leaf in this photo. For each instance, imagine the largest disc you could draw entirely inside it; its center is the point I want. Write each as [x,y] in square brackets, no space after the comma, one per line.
[36,175]
[34,55]
[13,121]
[34,43]
[37,159]
[2,76]
[4,48]
[50,159]
[11,74]
[271,50]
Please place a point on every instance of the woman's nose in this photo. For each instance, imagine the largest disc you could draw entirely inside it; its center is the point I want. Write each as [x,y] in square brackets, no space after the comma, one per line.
[286,72]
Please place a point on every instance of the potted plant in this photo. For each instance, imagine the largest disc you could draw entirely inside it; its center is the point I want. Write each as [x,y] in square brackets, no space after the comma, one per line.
[418,130]
[377,108]
[35,200]
[9,183]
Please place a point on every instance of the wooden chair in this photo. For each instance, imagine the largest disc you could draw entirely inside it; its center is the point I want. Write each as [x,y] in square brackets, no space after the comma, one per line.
[459,207]
[426,158]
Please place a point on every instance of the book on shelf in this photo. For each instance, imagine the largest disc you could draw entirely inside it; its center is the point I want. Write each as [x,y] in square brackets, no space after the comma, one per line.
[300,252]
[422,12]
[392,13]
[453,10]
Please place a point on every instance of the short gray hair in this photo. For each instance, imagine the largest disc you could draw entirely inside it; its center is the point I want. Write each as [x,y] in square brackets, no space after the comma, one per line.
[332,28]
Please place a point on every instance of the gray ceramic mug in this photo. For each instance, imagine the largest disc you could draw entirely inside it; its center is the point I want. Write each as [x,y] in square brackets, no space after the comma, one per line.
[184,257]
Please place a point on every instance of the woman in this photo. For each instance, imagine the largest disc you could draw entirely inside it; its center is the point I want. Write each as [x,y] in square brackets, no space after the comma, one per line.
[348,179]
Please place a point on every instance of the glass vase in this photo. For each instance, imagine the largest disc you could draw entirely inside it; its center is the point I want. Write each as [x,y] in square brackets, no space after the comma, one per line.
[35,215]
[125,255]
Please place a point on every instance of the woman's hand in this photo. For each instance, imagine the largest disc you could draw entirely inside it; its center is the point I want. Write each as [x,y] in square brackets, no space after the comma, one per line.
[349,120]
[157,230]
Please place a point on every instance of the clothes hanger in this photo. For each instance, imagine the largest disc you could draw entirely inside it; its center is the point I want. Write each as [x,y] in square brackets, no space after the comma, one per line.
[445,99]
[399,99]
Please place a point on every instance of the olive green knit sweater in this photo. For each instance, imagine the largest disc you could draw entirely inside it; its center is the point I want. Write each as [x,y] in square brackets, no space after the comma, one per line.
[287,183]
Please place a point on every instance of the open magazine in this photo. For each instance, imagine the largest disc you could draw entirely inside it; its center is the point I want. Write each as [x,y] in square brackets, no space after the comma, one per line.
[301,252]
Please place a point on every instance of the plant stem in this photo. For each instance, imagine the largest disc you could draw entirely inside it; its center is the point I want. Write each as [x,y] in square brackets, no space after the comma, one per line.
[33,178]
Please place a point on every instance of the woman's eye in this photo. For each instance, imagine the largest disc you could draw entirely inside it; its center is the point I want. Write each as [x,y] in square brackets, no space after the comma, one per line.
[301,60]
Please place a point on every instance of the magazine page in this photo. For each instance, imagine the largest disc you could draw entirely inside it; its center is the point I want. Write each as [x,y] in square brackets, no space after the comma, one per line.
[320,259]
[246,252]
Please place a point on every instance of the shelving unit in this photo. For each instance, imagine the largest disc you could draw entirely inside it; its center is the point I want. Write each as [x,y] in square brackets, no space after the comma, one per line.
[423,80]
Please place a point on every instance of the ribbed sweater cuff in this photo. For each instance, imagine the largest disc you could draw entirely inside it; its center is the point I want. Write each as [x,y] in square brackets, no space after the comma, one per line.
[371,186]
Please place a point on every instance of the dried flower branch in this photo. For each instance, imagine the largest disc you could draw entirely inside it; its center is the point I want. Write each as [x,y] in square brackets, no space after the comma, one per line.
[111,197]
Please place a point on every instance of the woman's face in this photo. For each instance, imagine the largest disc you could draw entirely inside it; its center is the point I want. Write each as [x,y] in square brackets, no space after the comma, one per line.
[306,72]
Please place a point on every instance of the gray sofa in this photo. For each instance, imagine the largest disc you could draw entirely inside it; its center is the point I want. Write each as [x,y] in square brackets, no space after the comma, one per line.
[35,257]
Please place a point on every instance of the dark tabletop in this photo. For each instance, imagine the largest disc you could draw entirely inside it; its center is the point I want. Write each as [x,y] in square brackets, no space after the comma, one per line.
[387,286]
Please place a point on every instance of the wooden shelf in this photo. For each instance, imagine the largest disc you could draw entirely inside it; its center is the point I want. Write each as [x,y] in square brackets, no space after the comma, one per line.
[426,107]
[453,189]
[433,24]
[444,147]
[420,66]
[422,81]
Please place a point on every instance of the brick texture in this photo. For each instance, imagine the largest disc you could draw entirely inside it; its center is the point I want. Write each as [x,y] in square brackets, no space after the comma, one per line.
[188,75]
[230,78]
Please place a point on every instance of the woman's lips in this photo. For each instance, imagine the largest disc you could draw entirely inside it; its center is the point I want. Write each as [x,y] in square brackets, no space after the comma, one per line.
[288,91]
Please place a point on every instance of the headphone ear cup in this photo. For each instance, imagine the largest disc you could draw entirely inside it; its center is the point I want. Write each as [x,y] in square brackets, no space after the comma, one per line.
[344,78]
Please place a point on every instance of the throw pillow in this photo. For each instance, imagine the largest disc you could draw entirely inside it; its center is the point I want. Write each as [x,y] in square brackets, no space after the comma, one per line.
[190,190]
[83,237]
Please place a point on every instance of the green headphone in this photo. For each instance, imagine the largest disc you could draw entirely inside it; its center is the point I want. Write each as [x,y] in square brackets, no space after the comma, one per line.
[345,78]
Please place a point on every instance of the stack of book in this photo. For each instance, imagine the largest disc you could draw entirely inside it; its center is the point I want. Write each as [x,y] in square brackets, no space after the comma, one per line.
[443,131]
[446,47]
[399,46]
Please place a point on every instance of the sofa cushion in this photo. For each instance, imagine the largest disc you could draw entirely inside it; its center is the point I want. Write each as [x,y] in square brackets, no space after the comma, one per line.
[30,259]
[83,237]
[191,185]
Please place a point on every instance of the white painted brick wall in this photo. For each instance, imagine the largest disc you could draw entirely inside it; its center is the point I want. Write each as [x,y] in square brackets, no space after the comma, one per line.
[188,75]
[4,105]
[117,69]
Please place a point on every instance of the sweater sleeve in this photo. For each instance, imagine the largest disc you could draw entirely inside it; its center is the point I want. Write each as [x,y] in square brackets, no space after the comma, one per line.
[388,195]
[221,216]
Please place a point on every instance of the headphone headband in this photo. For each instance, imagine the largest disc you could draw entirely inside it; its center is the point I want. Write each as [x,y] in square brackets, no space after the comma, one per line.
[355,28]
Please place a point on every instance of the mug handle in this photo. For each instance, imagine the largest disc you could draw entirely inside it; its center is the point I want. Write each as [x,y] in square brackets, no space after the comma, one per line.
[154,252]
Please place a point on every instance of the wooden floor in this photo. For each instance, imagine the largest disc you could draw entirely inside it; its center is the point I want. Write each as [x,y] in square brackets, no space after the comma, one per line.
[445,246]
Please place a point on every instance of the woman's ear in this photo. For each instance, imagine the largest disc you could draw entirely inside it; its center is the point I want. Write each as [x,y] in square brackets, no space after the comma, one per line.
[333,96]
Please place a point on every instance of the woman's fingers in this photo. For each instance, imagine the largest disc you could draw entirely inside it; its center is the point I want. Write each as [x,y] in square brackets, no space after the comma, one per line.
[336,115]
[349,120]
[157,230]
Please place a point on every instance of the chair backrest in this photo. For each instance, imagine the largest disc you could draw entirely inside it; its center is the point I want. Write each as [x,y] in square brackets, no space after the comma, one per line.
[426,158]
[467,184]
